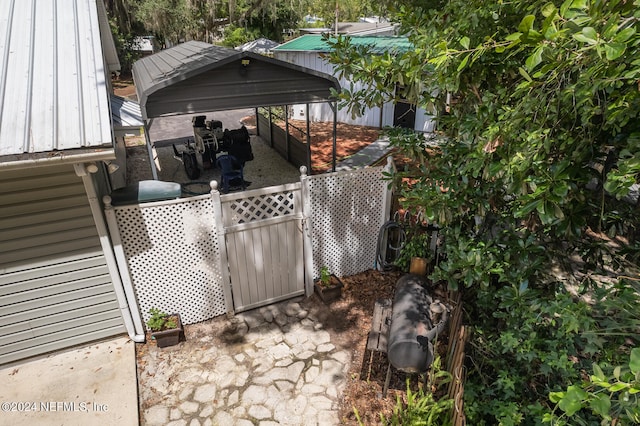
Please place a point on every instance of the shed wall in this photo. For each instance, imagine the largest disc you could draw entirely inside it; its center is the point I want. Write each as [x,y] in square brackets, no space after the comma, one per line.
[372,117]
[55,287]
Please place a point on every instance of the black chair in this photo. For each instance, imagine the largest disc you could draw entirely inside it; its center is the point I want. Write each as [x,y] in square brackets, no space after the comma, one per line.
[231,172]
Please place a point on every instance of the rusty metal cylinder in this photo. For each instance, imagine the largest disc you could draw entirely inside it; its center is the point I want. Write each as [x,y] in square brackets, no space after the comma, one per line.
[409,348]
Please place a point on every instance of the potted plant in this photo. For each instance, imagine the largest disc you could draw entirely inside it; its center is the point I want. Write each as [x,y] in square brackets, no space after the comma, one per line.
[166,329]
[328,286]
[415,255]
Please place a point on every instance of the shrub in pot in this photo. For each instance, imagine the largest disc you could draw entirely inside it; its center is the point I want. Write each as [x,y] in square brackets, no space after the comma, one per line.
[328,286]
[166,329]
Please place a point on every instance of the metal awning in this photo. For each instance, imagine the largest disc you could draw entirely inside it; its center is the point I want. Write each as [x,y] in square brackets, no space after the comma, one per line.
[195,77]
[125,116]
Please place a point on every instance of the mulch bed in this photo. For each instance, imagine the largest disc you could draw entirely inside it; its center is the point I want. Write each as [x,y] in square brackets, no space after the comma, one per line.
[350,322]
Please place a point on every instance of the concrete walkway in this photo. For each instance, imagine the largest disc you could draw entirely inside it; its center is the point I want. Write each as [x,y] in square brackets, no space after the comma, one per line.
[271,366]
[366,156]
[89,385]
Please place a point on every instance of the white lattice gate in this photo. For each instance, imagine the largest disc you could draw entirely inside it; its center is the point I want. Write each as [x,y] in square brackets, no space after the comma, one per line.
[264,244]
[212,254]
[346,211]
[172,256]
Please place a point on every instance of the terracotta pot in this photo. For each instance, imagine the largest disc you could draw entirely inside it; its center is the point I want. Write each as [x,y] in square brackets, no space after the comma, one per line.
[419,265]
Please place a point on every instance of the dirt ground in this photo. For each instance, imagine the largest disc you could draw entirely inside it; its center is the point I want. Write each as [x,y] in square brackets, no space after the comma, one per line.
[349,140]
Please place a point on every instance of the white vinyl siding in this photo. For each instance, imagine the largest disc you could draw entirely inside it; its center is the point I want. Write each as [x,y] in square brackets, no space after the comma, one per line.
[55,287]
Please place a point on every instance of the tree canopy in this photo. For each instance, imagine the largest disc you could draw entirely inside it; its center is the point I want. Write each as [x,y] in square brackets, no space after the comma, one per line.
[532,180]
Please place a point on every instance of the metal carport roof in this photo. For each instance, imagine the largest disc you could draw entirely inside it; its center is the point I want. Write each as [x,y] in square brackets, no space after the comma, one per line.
[197,77]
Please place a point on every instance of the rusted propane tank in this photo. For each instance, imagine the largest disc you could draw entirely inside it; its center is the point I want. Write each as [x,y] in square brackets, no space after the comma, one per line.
[411,330]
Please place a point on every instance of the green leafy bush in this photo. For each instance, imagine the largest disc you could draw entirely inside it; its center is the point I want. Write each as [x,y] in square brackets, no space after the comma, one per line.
[160,321]
[423,407]
[416,246]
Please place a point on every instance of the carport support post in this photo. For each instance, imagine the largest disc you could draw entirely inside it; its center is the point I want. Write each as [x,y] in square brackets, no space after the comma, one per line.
[286,127]
[152,161]
[308,140]
[270,128]
[257,123]
[334,107]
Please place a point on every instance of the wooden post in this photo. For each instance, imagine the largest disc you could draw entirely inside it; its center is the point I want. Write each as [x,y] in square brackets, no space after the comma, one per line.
[309,165]
[306,232]
[222,245]
[121,264]
[286,129]
[152,160]
[257,121]
[270,128]
[335,136]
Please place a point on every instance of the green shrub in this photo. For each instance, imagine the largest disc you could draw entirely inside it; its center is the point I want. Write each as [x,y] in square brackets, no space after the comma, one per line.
[160,321]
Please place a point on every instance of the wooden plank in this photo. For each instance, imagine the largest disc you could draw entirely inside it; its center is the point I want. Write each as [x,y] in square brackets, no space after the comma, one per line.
[236,287]
[42,292]
[292,257]
[66,226]
[271,301]
[95,334]
[57,193]
[28,182]
[50,172]
[34,265]
[85,330]
[249,263]
[46,239]
[63,285]
[377,340]
[257,267]
[276,259]
[299,250]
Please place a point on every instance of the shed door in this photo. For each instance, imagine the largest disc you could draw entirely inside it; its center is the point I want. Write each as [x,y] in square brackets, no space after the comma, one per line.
[404,115]
[55,287]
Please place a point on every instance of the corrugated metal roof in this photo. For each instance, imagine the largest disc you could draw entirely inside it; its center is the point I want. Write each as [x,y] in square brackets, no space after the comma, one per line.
[199,77]
[261,45]
[125,114]
[315,43]
[53,79]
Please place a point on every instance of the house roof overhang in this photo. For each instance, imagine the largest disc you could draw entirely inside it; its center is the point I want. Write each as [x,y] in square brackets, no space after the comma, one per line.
[54,105]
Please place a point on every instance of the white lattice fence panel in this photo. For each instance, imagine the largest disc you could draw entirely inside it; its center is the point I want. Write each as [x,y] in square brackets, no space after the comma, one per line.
[173,256]
[260,204]
[346,216]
